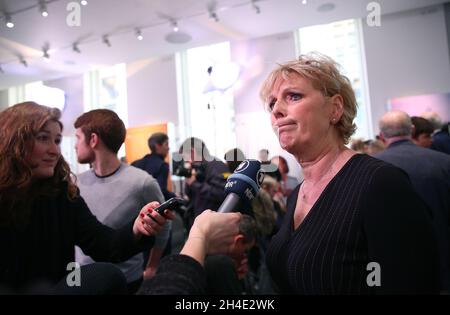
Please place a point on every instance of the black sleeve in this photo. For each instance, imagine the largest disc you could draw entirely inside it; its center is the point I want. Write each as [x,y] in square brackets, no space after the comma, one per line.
[176,274]
[400,235]
[162,181]
[138,164]
[101,242]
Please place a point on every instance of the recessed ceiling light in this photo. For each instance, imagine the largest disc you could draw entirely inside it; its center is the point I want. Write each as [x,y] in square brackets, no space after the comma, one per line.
[178,37]
[326,7]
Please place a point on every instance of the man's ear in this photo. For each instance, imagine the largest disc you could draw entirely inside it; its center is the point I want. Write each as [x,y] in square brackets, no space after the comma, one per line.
[238,242]
[382,138]
[94,140]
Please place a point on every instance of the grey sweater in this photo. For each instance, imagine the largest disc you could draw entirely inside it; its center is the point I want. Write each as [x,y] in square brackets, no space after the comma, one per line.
[116,200]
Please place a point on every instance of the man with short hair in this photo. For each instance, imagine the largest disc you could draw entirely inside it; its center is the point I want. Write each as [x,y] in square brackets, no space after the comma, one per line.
[429,172]
[224,273]
[114,191]
[154,163]
[422,131]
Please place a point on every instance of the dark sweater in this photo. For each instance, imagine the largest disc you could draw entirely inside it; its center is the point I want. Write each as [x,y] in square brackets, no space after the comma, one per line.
[367,213]
[176,274]
[42,250]
[209,193]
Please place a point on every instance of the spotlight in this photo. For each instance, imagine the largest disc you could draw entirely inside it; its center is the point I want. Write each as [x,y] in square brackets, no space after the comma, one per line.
[9,22]
[139,34]
[83,2]
[23,61]
[256,7]
[75,48]
[45,54]
[304,1]
[43,8]
[175,26]
[212,10]
[213,15]
[106,40]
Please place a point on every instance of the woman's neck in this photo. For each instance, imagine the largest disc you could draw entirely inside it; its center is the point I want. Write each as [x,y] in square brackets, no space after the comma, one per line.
[326,164]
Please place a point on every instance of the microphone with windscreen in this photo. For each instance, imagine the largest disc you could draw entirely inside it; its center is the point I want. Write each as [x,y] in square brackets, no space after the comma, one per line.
[243,185]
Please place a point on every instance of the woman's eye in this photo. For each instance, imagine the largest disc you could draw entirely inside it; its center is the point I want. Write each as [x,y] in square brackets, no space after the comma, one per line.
[270,105]
[58,141]
[295,97]
[42,138]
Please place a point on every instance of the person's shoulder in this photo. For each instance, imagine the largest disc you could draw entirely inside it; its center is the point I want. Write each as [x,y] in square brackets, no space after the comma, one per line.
[368,163]
[141,177]
[374,169]
[141,162]
[137,173]
[436,155]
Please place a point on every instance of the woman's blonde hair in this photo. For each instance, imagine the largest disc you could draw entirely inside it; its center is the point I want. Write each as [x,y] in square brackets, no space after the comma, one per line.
[325,76]
[19,126]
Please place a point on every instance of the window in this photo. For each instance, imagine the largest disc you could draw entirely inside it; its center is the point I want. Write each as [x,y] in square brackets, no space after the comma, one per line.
[342,42]
[107,88]
[206,105]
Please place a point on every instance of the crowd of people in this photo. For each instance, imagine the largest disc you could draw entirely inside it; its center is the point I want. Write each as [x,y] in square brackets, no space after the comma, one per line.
[370,217]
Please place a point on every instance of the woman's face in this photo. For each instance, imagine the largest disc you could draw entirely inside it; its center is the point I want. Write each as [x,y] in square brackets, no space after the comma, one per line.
[46,151]
[300,114]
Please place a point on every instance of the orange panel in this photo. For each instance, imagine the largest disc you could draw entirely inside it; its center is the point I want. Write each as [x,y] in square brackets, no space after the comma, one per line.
[136,143]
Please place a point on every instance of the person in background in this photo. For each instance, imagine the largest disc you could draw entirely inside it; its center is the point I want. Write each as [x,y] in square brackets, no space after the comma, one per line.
[115,191]
[422,131]
[287,183]
[263,156]
[441,139]
[429,172]
[351,209]
[206,185]
[233,158]
[43,216]
[154,163]
[375,146]
[358,145]
[225,273]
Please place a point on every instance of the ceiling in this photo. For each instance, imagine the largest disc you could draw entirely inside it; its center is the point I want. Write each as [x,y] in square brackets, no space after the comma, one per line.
[119,19]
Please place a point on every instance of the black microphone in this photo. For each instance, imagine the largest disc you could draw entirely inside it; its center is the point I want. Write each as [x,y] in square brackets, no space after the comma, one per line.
[242,185]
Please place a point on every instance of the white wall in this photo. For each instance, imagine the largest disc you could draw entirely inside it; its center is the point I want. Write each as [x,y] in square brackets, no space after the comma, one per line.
[407,55]
[257,58]
[152,91]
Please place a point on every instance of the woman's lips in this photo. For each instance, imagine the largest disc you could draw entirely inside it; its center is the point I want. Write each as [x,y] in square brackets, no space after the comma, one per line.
[285,127]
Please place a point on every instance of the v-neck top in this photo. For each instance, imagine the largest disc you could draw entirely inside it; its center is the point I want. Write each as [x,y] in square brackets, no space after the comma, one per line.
[368,213]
